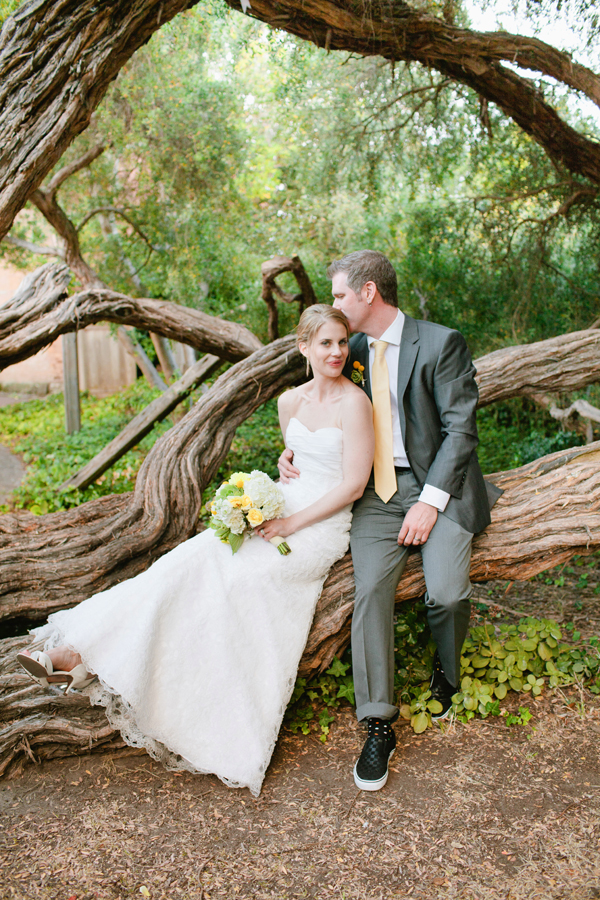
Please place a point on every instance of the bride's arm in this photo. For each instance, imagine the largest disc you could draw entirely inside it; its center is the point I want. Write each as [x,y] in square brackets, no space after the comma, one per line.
[357,462]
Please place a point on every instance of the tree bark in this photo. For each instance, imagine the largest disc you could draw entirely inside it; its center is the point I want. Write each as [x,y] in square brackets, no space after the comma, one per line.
[550,510]
[41,310]
[57,60]
[569,362]
[54,561]
[271,291]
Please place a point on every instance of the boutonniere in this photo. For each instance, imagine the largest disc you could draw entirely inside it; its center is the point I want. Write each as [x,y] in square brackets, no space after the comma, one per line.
[357,374]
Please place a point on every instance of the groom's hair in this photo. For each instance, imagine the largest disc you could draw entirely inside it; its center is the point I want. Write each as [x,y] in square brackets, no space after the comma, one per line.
[368,265]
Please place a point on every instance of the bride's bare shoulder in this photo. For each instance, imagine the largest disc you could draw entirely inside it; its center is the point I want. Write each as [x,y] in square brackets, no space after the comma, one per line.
[288,401]
[355,398]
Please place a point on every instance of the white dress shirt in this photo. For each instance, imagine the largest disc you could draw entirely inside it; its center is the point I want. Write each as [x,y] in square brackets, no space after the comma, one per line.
[393,335]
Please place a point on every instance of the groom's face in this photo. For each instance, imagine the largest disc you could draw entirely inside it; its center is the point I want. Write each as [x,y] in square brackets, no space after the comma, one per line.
[353,305]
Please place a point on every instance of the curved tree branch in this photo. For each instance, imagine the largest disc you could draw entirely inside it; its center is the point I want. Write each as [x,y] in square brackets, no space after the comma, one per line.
[67,53]
[549,511]
[63,557]
[39,249]
[398,31]
[119,212]
[41,311]
[77,165]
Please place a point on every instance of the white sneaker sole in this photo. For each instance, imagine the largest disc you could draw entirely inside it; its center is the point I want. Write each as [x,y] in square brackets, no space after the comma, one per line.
[372,785]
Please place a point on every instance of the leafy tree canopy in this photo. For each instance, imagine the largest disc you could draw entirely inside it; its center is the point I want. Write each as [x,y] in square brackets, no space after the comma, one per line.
[228,142]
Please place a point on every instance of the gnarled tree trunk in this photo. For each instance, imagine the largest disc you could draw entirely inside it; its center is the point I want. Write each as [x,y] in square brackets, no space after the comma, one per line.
[550,510]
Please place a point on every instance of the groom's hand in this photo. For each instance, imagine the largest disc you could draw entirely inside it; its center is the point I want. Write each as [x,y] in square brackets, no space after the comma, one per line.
[417,525]
[286,468]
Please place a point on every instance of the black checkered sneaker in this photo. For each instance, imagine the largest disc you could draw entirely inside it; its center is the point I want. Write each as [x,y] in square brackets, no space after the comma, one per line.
[371,770]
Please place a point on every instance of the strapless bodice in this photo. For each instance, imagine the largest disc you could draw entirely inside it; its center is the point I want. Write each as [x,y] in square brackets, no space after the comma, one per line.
[318,456]
[316,452]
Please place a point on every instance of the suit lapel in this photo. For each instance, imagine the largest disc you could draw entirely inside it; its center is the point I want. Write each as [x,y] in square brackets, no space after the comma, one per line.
[360,352]
[409,347]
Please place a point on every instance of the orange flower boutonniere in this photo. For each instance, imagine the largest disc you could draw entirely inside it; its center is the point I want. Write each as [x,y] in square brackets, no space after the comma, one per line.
[357,375]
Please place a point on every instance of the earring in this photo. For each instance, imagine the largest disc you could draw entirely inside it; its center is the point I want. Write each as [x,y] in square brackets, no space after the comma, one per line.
[307,367]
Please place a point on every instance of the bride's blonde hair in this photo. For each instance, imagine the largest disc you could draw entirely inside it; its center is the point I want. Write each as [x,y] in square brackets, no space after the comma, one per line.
[315,316]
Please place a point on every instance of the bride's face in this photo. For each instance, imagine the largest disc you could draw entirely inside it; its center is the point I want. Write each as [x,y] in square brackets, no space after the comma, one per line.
[328,350]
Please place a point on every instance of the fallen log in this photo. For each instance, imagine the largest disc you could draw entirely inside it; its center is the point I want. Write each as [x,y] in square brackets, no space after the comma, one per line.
[550,510]
[562,364]
[144,422]
[41,311]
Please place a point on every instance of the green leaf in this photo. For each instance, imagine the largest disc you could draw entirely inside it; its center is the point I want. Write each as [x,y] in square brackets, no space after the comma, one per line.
[338,668]
[501,690]
[235,541]
[530,644]
[420,722]
[347,690]
[479,661]
[434,706]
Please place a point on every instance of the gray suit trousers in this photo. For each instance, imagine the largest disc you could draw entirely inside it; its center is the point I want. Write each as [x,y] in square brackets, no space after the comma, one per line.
[378,565]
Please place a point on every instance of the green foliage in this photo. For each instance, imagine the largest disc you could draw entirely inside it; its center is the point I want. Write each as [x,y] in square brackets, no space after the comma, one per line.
[36,431]
[317,698]
[8,7]
[523,717]
[231,142]
[516,432]
[525,658]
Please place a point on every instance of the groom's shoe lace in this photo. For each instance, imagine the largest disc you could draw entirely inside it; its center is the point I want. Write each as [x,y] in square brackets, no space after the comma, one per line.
[371,770]
[441,689]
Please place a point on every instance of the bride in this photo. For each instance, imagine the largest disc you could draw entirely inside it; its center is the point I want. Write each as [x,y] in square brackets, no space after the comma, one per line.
[196,659]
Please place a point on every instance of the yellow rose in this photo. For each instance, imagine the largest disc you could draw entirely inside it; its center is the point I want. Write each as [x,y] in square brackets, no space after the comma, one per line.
[238,479]
[236,502]
[255,517]
[246,503]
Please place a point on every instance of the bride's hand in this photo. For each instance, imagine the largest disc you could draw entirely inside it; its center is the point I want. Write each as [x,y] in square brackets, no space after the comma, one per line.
[275,528]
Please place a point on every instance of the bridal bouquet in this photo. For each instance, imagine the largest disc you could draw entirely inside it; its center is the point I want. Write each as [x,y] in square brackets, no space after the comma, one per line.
[242,503]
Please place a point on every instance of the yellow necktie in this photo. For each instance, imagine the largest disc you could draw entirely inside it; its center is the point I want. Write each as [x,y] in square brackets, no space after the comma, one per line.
[383,464]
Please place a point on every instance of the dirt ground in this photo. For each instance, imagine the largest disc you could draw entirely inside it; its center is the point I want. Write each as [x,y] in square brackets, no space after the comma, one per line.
[474,812]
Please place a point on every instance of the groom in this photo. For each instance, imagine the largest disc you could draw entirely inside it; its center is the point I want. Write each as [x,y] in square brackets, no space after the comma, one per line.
[426,491]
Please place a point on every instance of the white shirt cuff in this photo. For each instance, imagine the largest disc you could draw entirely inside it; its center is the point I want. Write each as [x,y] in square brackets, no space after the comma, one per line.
[435,497]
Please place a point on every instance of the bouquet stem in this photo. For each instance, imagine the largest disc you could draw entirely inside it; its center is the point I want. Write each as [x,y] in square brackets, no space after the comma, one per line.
[281,545]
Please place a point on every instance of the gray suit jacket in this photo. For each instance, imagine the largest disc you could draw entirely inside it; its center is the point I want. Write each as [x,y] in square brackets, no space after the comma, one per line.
[437,399]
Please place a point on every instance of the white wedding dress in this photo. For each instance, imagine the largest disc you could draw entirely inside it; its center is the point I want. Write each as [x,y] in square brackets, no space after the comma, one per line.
[197,657]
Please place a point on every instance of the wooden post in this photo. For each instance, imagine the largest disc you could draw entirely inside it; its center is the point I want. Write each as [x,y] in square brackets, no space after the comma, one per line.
[71,383]
[144,422]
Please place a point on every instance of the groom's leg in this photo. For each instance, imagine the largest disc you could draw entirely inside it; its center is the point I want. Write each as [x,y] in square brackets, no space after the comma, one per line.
[446,563]
[378,564]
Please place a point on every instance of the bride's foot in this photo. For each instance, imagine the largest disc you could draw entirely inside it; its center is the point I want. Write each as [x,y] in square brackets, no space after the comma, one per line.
[63,659]
[58,666]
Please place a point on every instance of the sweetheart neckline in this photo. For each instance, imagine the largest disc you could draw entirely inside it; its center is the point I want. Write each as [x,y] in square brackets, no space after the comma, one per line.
[326,428]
